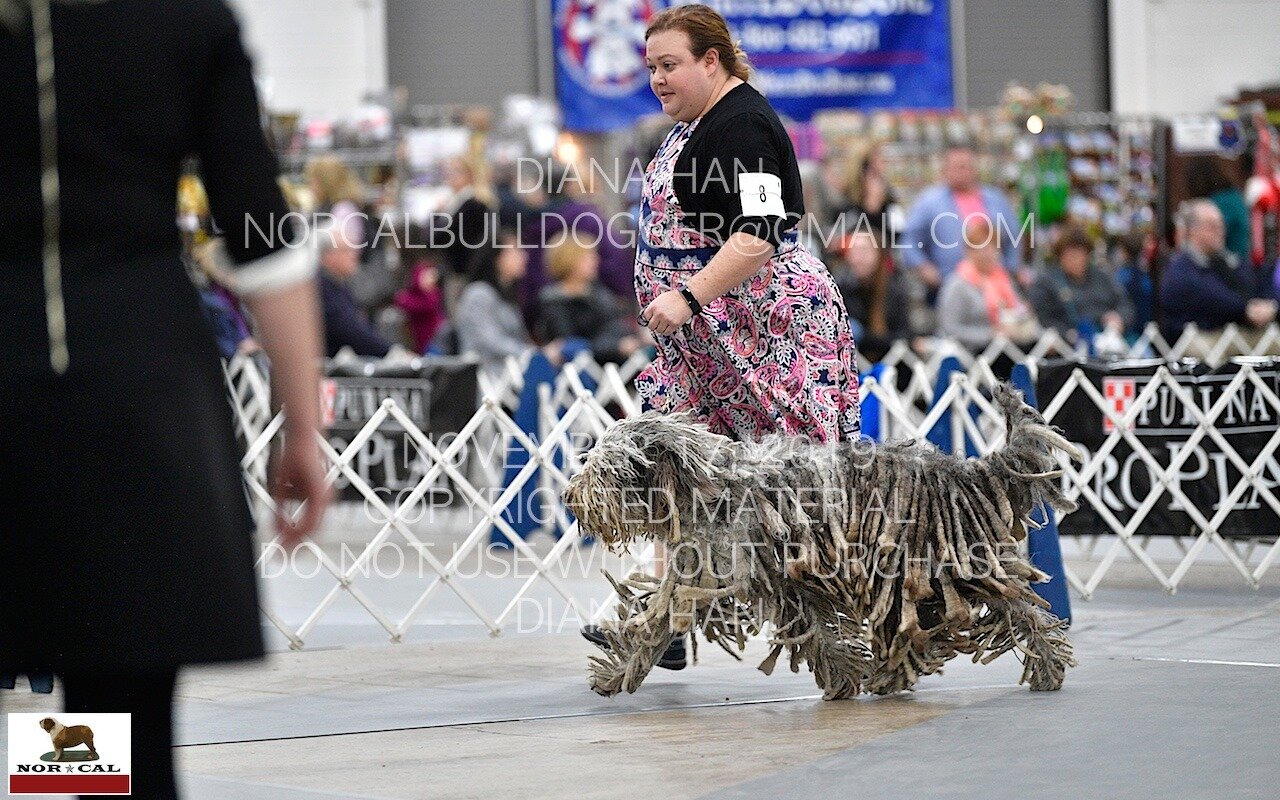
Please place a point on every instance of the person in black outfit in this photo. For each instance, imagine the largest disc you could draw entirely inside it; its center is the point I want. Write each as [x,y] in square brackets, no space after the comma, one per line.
[578,306]
[874,294]
[751,336]
[133,552]
[466,224]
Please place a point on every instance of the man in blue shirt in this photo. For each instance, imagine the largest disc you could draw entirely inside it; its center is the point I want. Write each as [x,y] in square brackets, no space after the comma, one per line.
[933,242]
[1205,284]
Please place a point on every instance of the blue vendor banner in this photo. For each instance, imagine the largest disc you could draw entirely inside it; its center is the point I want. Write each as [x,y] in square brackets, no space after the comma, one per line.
[601,80]
[807,55]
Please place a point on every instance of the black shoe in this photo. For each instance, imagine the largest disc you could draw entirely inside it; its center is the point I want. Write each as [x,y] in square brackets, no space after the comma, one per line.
[673,658]
[593,634]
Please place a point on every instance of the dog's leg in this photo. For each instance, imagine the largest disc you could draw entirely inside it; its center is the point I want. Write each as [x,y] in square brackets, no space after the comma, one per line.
[93,751]
[57,753]
[1048,650]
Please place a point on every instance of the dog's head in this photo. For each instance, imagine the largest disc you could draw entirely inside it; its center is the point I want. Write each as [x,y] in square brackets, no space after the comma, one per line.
[48,723]
[642,474]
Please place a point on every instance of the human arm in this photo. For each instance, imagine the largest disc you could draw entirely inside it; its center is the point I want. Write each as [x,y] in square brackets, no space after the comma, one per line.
[916,231]
[289,331]
[274,277]
[735,185]
[1008,225]
[739,260]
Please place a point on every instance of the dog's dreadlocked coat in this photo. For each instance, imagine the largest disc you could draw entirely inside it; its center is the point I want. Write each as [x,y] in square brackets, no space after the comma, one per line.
[873,564]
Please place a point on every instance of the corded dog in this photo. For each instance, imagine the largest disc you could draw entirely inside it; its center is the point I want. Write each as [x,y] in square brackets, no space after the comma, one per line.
[872,564]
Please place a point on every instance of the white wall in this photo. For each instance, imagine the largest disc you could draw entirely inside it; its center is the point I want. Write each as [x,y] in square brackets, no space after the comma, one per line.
[316,56]
[1185,56]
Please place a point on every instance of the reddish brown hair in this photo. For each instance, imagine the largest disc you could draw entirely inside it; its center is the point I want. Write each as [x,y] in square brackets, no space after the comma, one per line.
[706,30]
[1072,236]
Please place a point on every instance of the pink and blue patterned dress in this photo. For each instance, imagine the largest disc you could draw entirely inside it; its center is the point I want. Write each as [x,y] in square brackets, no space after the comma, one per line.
[773,355]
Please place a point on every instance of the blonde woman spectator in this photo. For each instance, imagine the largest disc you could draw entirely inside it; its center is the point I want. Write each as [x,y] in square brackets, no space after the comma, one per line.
[577,306]
[338,196]
[869,200]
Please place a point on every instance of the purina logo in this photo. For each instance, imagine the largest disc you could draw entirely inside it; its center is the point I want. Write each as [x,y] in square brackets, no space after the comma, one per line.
[61,754]
[1120,394]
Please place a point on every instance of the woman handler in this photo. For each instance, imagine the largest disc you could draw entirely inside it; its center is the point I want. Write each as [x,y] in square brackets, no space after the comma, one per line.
[752,335]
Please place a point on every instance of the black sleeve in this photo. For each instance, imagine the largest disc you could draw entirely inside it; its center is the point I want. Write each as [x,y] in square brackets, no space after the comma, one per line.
[238,168]
[555,321]
[743,145]
[1048,306]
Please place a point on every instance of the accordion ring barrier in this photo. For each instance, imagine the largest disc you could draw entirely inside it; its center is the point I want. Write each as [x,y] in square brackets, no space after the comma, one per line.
[907,399]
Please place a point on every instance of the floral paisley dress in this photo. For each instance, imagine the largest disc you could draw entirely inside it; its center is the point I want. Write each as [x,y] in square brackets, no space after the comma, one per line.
[773,355]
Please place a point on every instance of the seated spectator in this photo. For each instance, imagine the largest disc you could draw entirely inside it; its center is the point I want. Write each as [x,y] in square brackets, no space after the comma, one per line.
[1074,296]
[979,302]
[1209,177]
[421,299]
[221,306]
[578,306]
[1133,272]
[488,322]
[1205,284]
[345,325]
[875,296]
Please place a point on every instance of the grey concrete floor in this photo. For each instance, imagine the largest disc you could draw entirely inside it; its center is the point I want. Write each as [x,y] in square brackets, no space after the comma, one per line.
[1174,697]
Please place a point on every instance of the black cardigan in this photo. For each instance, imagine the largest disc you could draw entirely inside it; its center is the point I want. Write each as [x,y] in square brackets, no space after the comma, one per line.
[741,134]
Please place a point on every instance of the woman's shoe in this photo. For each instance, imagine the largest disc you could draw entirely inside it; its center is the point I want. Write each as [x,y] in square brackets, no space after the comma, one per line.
[674,657]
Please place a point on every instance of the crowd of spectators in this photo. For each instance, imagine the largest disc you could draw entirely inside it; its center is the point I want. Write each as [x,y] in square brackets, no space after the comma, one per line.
[501,271]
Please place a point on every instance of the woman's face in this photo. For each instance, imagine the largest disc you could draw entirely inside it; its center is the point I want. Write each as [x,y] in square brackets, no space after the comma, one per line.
[983,249]
[456,174]
[511,263]
[681,82]
[1074,262]
[862,256]
[588,267]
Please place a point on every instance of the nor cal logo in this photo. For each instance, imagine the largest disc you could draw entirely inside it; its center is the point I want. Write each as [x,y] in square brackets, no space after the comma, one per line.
[60,754]
[602,43]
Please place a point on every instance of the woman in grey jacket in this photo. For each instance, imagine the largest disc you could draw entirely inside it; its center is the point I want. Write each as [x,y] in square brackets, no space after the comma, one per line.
[488,320]
[978,302]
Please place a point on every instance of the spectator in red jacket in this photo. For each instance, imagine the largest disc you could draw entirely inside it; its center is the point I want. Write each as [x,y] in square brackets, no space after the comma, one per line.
[421,299]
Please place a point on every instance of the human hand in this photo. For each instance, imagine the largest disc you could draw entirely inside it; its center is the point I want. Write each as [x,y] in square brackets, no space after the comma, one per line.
[298,474]
[554,351]
[1260,313]
[667,313]
[929,275]
[1113,321]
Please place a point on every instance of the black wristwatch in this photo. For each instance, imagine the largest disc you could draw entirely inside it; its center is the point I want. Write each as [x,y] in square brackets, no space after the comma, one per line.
[694,305]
